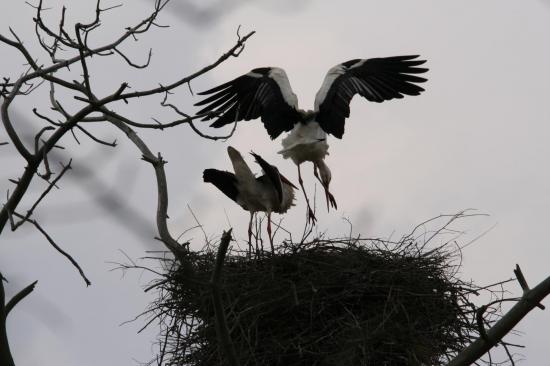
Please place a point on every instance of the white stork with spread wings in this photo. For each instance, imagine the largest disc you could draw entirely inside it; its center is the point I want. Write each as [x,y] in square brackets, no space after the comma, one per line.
[266,93]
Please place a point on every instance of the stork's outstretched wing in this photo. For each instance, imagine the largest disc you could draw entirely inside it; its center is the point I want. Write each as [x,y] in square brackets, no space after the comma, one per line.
[377,79]
[263,92]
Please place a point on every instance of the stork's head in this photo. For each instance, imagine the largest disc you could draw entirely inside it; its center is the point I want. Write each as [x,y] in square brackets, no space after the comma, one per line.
[325,177]
[324,172]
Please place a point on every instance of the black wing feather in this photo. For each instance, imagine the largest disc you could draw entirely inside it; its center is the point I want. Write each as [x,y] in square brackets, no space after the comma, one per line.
[272,174]
[217,88]
[224,181]
[376,79]
[250,96]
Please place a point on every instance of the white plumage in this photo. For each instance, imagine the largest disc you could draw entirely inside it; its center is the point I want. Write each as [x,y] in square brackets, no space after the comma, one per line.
[280,77]
[306,142]
[332,74]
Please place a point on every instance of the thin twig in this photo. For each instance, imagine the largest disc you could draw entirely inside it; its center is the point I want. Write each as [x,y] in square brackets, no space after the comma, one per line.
[56,247]
[52,184]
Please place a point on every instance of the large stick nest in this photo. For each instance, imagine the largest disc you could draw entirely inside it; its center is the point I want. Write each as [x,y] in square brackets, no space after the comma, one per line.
[327,302]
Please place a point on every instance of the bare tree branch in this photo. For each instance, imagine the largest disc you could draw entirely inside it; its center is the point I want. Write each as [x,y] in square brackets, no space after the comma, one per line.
[141,27]
[35,160]
[46,191]
[19,296]
[158,164]
[233,52]
[530,300]
[5,353]
[56,247]
[188,119]
[8,125]
[58,41]
[129,62]
[6,359]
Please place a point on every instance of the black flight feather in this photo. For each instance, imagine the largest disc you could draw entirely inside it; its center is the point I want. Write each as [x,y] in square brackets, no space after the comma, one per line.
[247,97]
[272,174]
[223,180]
[376,79]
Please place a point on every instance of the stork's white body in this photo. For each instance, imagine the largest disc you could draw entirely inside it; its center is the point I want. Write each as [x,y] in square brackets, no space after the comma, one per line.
[261,197]
[258,194]
[306,142]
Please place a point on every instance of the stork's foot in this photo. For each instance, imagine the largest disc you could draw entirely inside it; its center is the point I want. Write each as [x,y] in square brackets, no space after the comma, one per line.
[250,238]
[311,216]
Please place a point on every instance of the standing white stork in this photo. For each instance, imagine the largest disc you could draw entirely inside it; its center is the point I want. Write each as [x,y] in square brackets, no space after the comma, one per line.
[271,192]
[266,93]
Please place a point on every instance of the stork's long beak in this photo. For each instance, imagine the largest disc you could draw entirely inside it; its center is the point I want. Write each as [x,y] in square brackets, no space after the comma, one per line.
[331,201]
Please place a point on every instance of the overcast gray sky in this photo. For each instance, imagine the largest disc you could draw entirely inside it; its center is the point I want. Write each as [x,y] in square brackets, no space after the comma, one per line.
[477,138]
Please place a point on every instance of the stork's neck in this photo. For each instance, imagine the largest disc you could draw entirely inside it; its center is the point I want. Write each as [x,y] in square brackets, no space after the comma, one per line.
[324,171]
[307,116]
[322,166]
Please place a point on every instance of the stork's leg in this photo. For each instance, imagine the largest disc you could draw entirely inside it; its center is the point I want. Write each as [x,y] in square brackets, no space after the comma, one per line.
[269,232]
[250,235]
[259,239]
[310,215]
[328,196]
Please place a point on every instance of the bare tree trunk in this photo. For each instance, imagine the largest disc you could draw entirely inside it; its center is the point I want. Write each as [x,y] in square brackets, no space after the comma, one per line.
[5,353]
[6,358]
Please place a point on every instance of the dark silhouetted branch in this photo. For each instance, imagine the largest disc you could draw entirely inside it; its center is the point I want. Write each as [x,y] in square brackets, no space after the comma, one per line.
[6,358]
[76,50]
[129,62]
[19,296]
[46,191]
[56,247]
[233,52]
[188,119]
[531,299]
[98,140]
[162,187]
